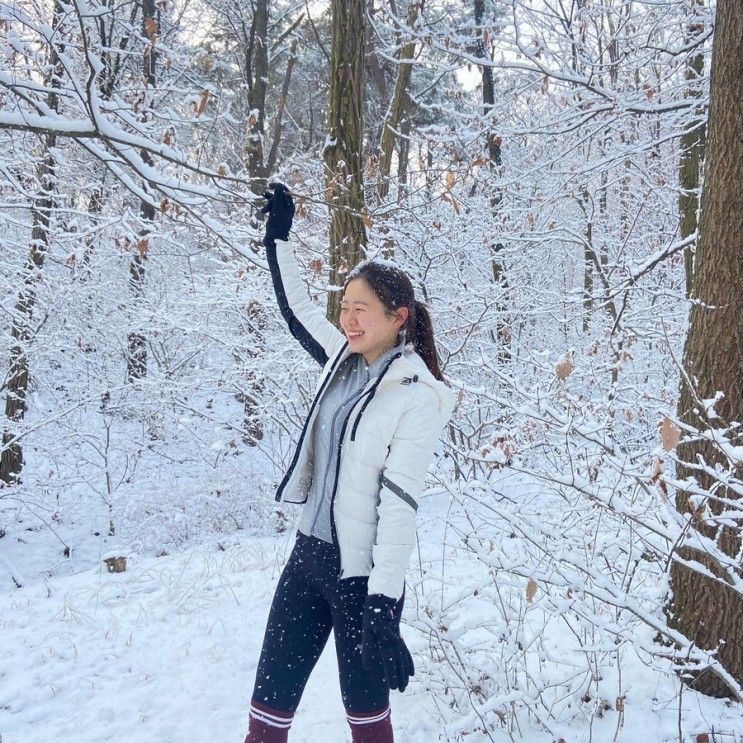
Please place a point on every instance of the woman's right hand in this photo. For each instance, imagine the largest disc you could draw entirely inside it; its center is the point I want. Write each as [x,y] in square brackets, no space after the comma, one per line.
[280,211]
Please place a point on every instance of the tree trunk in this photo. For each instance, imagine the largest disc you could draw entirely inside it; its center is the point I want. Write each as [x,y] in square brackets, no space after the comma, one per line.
[589,256]
[136,361]
[708,611]
[257,71]
[11,459]
[273,155]
[396,108]
[344,182]
[374,74]
[692,152]
[403,148]
[493,143]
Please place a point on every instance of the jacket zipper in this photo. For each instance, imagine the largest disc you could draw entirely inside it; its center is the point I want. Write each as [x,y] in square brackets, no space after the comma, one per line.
[359,394]
[372,392]
[338,455]
[293,464]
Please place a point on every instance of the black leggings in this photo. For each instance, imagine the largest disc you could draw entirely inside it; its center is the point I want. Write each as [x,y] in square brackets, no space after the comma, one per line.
[309,601]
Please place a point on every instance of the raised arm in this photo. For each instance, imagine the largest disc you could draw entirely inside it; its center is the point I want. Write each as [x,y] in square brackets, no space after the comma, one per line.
[306,321]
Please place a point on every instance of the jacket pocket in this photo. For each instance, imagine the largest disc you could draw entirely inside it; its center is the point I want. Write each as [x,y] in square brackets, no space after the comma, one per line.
[355,506]
[356,539]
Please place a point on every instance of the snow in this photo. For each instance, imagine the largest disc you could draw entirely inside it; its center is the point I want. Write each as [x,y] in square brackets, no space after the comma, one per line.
[167,651]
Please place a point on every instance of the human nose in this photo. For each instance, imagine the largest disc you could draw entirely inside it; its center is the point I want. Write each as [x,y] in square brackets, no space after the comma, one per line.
[350,319]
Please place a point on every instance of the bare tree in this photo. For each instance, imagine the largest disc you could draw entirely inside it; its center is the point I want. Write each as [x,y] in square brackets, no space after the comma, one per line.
[493,144]
[256,76]
[396,110]
[22,329]
[136,360]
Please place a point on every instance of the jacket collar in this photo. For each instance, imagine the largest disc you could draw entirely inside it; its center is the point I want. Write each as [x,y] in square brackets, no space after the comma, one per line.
[407,366]
[378,364]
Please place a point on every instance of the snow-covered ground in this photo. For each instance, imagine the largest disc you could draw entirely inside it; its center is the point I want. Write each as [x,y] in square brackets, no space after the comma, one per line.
[166,653]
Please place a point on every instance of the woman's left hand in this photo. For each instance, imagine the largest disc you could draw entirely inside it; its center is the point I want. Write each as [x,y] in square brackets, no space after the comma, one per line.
[280,209]
[381,642]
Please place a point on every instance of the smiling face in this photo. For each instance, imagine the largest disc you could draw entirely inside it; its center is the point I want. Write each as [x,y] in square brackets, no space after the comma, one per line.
[370,328]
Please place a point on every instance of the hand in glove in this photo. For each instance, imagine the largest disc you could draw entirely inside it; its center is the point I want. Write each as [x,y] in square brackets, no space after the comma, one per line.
[280,210]
[381,642]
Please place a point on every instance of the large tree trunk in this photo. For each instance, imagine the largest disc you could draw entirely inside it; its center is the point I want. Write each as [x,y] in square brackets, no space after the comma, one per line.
[22,331]
[708,611]
[343,151]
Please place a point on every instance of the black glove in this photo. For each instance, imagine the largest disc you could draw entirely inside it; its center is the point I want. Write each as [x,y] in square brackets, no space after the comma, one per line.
[280,210]
[381,642]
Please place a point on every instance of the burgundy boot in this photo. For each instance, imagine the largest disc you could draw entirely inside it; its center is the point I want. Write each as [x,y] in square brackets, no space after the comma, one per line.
[267,725]
[371,727]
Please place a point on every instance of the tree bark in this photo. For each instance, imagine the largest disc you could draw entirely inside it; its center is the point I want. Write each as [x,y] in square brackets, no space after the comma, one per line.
[493,144]
[136,361]
[344,176]
[708,611]
[403,148]
[396,108]
[273,154]
[22,332]
[257,70]
[692,152]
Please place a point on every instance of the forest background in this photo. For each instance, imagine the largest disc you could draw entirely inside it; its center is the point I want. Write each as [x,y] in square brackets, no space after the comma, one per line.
[537,168]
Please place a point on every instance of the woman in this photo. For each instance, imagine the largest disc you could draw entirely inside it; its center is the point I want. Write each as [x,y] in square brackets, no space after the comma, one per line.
[359,468]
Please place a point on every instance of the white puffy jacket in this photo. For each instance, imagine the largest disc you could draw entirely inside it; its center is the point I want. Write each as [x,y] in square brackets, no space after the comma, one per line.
[386,447]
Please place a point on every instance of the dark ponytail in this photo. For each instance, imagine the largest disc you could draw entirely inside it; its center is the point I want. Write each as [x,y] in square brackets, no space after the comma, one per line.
[395,290]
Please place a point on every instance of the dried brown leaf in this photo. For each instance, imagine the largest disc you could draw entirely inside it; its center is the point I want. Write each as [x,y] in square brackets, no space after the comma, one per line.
[697,513]
[372,164]
[657,479]
[670,434]
[202,103]
[449,198]
[565,366]
[151,27]
[531,590]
